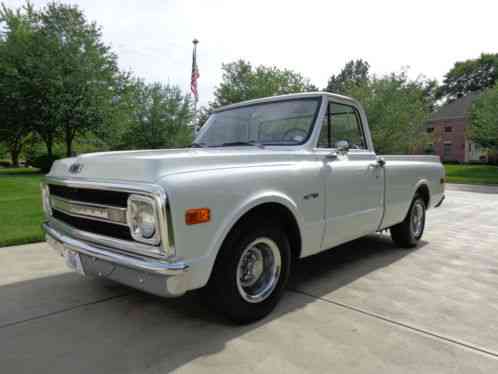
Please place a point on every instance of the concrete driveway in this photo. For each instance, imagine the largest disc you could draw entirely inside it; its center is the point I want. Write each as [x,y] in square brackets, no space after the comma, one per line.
[366,307]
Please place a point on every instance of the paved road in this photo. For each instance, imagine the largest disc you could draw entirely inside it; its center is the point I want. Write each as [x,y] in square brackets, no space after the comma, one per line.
[366,307]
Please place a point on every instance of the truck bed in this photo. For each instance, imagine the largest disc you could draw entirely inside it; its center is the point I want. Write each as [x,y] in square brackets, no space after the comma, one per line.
[419,158]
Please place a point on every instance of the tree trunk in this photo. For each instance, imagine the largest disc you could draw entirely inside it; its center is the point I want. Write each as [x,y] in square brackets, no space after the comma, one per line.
[48,138]
[15,149]
[69,146]
[68,138]
[14,156]
[48,143]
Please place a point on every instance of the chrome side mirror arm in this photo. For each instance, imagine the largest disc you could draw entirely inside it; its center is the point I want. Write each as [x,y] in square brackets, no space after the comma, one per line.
[342,147]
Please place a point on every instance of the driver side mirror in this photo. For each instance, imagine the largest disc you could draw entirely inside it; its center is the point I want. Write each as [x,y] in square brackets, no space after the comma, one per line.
[342,146]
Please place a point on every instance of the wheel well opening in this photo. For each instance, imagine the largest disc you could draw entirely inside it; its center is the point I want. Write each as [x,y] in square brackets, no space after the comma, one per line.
[423,191]
[276,212]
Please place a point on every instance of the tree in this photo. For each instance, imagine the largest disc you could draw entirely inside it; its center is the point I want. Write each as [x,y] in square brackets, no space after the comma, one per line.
[484,119]
[14,135]
[397,109]
[354,73]
[84,75]
[16,114]
[202,115]
[161,117]
[68,77]
[431,89]
[121,115]
[241,81]
[470,75]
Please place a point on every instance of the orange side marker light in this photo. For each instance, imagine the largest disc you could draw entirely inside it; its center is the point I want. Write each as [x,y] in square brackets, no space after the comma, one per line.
[197,215]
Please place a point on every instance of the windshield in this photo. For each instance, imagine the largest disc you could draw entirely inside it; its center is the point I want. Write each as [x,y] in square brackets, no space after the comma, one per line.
[274,123]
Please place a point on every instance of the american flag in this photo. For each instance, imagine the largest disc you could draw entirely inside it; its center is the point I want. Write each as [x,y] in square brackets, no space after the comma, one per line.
[195,73]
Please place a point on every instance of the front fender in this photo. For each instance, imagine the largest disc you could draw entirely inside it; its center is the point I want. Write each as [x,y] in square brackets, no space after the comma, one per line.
[249,203]
[229,197]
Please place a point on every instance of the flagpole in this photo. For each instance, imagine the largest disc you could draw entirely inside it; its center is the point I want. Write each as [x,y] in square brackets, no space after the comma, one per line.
[196,96]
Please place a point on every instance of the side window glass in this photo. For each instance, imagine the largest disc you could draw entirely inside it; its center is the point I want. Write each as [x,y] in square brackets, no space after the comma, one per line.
[325,135]
[345,125]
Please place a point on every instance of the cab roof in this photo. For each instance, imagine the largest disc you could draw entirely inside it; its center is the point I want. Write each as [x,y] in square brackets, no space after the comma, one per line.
[302,95]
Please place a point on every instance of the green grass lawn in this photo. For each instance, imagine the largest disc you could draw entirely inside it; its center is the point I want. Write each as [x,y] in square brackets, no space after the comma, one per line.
[21,211]
[472,174]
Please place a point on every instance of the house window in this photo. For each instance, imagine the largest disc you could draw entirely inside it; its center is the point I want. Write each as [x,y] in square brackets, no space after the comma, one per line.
[430,129]
[448,129]
[447,151]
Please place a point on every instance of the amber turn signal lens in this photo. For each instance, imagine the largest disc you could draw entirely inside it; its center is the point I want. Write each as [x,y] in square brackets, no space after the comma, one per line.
[199,215]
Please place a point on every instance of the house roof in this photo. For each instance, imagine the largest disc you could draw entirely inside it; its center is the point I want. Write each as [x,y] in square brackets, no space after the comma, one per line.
[459,108]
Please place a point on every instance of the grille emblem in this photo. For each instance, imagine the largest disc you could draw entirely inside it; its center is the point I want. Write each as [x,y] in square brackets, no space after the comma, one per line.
[75,168]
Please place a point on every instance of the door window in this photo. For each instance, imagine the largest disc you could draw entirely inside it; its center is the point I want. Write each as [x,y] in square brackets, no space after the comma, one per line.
[341,123]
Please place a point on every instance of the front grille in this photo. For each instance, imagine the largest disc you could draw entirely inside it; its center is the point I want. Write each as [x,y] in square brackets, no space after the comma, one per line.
[88,225]
[113,198]
[109,201]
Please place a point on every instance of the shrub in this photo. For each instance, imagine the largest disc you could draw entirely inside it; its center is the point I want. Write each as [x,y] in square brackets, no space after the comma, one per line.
[42,162]
[4,164]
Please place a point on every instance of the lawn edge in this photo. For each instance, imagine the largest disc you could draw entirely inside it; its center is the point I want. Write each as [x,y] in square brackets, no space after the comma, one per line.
[19,242]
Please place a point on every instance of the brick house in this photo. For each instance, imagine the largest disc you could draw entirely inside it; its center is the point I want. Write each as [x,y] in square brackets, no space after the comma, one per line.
[447,126]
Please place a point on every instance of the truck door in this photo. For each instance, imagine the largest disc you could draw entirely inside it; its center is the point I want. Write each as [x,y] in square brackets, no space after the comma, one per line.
[354,180]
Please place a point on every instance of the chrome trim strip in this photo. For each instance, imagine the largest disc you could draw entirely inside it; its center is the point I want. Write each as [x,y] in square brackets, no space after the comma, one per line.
[107,186]
[157,192]
[145,264]
[69,206]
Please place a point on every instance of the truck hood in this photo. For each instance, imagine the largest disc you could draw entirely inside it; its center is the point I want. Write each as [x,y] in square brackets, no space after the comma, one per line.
[151,165]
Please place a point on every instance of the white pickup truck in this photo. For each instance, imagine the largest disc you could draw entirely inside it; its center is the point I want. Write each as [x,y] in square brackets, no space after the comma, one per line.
[266,182]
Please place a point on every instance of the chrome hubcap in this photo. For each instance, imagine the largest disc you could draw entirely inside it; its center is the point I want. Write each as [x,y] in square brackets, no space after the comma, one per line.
[417,219]
[258,270]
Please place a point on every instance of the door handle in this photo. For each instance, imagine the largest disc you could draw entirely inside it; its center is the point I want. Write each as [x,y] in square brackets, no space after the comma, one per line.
[379,163]
[331,156]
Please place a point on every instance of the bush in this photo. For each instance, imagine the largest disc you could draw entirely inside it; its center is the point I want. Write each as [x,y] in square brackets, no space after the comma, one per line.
[4,164]
[42,162]
[493,157]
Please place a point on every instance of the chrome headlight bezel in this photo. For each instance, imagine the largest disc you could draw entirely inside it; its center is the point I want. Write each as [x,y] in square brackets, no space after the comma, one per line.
[134,204]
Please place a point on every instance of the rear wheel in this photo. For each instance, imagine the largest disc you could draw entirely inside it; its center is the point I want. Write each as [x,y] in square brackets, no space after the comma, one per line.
[407,233]
[251,272]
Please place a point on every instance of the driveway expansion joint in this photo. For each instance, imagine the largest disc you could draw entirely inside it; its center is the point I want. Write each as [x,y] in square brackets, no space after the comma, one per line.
[64,310]
[401,324]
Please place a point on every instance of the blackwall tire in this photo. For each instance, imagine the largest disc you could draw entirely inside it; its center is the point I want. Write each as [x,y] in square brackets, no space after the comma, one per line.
[251,272]
[407,233]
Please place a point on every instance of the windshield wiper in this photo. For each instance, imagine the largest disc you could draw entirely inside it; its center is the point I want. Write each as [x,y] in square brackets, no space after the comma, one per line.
[232,144]
[198,145]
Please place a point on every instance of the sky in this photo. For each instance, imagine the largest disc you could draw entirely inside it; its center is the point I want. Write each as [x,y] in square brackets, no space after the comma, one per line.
[153,38]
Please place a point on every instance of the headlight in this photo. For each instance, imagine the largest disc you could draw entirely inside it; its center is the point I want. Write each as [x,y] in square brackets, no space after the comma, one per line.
[142,219]
[46,199]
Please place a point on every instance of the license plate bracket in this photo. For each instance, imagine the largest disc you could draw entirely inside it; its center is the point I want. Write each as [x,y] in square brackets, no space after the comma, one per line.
[73,260]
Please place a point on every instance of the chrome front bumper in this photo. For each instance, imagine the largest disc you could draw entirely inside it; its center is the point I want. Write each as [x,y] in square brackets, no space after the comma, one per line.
[160,277]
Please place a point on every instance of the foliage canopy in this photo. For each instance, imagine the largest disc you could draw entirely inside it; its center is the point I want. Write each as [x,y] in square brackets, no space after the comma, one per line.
[470,75]
[484,119]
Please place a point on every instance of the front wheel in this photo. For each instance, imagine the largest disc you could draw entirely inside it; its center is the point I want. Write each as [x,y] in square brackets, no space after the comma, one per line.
[407,233]
[251,272]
